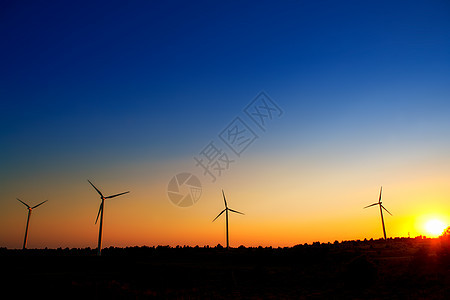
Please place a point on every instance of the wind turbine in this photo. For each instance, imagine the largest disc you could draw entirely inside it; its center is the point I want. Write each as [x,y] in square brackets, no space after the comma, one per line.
[100,213]
[226,215]
[28,220]
[381,211]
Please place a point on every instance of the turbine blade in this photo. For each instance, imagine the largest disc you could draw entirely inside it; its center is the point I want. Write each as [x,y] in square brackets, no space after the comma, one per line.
[99,210]
[39,204]
[371,205]
[23,203]
[100,193]
[236,211]
[379,199]
[224,200]
[385,209]
[219,214]
[109,197]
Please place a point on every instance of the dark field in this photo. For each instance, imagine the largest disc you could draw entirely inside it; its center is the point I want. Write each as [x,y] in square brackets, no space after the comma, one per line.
[393,269]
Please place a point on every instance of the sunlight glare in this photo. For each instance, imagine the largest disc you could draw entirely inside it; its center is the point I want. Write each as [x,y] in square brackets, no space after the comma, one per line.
[435,227]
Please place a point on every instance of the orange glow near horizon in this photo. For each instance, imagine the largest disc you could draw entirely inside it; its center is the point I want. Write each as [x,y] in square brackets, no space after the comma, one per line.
[299,209]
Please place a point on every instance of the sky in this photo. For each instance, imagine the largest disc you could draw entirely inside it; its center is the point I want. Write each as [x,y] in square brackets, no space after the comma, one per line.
[354,95]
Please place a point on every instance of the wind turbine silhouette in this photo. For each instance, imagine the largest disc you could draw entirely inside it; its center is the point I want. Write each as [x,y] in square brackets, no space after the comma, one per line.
[100,213]
[30,209]
[226,216]
[381,211]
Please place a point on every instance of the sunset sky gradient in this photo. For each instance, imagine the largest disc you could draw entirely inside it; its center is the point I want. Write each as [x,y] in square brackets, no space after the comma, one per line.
[126,94]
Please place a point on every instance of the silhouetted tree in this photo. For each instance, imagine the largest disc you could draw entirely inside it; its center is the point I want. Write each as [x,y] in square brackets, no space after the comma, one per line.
[446,233]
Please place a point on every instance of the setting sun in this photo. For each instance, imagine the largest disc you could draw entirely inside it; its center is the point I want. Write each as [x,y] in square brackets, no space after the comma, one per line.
[435,227]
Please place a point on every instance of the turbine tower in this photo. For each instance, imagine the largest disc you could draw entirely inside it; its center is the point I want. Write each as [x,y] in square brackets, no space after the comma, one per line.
[226,216]
[100,213]
[30,209]
[381,212]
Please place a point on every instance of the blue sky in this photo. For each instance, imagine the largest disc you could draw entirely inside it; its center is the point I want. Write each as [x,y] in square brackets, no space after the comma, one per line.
[86,67]
[88,85]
